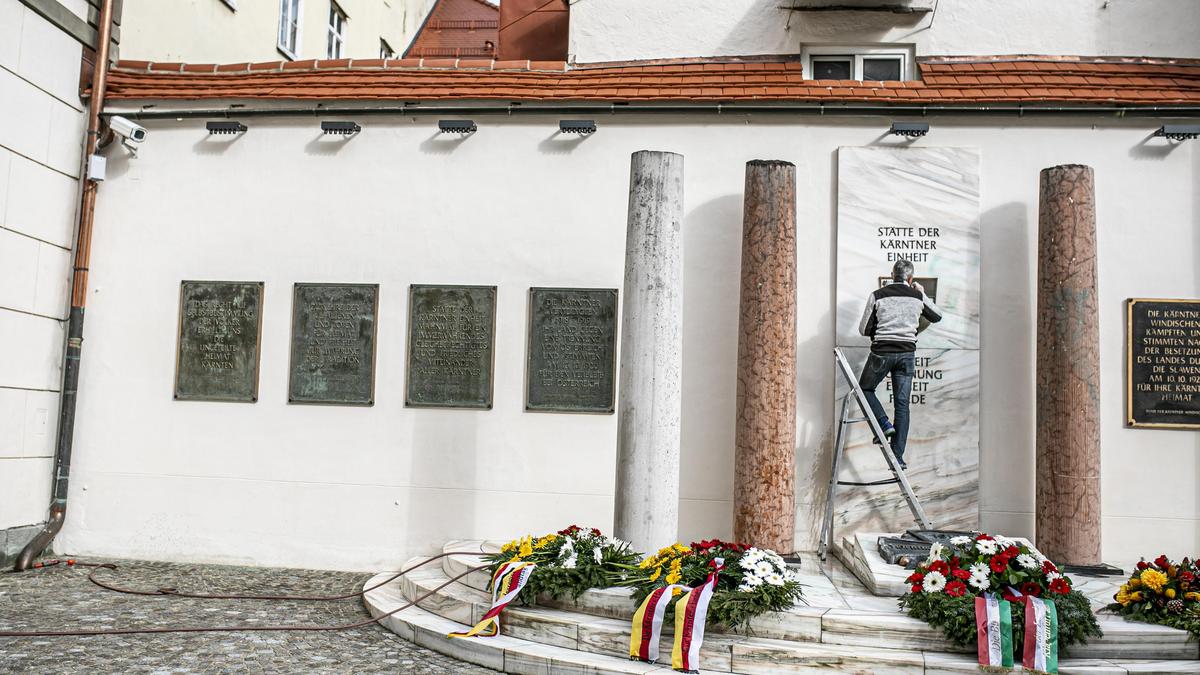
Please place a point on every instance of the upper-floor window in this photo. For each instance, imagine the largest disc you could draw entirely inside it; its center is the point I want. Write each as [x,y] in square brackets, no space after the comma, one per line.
[289,27]
[337,32]
[857,63]
[385,50]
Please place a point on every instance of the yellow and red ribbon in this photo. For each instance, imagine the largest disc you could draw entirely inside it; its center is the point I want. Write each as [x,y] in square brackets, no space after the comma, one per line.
[691,613]
[507,582]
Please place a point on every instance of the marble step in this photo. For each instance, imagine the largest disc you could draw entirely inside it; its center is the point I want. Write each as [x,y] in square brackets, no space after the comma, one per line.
[513,654]
[502,653]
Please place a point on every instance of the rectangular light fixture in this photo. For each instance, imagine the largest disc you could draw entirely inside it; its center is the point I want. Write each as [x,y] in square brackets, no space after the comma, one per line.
[341,128]
[457,126]
[1179,132]
[225,127]
[582,127]
[909,129]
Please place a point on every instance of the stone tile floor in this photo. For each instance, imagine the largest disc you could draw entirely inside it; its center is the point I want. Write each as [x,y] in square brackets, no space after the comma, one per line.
[61,598]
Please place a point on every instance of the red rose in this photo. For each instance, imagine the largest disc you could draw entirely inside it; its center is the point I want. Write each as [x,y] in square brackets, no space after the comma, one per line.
[1060,586]
[1031,588]
[1187,576]
[916,588]
[956,589]
[998,563]
[940,566]
[916,578]
[962,574]
[1048,567]
[1142,565]
[1162,562]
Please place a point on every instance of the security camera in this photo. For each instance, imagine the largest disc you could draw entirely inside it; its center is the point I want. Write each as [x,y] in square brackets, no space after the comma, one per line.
[131,133]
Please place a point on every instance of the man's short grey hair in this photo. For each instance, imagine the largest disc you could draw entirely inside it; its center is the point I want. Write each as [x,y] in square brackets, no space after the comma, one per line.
[902,270]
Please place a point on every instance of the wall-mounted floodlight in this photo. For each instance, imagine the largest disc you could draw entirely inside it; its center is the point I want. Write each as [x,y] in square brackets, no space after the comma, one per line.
[1179,132]
[581,127]
[340,128]
[225,127]
[909,129]
[457,126]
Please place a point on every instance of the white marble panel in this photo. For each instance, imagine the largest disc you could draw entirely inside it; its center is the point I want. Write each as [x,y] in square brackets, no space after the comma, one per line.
[915,203]
[942,451]
[769,657]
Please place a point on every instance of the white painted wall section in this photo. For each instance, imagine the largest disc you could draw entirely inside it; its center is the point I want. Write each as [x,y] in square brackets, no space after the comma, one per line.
[362,488]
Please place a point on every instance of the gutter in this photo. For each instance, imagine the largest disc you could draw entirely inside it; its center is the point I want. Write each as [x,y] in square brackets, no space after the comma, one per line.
[83,250]
[153,112]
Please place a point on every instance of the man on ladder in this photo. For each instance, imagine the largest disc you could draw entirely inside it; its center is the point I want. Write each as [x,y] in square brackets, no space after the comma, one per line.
[892,319]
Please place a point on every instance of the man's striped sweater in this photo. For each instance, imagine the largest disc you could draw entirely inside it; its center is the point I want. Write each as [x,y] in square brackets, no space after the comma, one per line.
[893,315]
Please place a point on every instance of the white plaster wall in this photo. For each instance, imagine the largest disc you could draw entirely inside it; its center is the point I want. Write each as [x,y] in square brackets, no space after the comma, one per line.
[41,137]
[361,488]
[210,31]
[616,30]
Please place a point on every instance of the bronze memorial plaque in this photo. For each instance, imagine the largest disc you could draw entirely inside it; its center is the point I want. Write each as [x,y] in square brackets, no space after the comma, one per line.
[451,340]
[333,344]
[1162,364]
[572,350]
[220,323]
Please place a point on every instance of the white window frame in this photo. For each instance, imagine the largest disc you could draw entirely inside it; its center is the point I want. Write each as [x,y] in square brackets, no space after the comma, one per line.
[857,55]
[335,36]
[297,9]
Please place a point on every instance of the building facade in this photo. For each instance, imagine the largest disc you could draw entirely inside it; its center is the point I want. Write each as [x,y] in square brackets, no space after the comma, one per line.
[271,481]
[40,147]
[228,31]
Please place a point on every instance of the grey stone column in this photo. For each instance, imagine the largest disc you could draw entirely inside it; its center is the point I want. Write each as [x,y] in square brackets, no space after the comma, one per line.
[649,409]
[764,486]
[1068,368]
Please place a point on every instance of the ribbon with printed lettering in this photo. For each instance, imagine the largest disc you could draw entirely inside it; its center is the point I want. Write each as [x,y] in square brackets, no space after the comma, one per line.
[691,612]
[648,621]
[1041,635]
[507,582]
[993,622]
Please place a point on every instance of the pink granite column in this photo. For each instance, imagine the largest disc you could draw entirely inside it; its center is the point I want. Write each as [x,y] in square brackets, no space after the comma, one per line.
[764,497]
[1068,368]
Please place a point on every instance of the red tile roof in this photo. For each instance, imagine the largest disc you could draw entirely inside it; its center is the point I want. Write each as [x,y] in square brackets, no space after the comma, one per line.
[457,28]
[945,80]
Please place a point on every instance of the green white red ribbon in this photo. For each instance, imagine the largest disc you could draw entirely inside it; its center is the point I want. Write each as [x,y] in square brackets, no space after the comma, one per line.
[1041,635]
[993,622]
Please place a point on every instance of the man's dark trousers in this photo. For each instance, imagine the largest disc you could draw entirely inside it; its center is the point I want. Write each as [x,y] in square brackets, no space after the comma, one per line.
[901,366]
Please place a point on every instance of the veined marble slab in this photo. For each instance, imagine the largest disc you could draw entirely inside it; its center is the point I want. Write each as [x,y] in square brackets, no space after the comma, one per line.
[916,203]
[942,451]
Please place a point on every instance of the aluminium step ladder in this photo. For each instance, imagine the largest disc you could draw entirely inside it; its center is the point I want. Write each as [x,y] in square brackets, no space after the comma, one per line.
[839,448]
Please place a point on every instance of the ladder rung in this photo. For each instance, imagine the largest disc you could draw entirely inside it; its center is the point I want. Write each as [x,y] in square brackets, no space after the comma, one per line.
[886,481]
[856,419]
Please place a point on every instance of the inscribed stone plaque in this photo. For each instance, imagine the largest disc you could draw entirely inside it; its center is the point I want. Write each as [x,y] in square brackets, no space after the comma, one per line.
[1162,364]
[219,327]
[572,349]
[451,339]
[333,344]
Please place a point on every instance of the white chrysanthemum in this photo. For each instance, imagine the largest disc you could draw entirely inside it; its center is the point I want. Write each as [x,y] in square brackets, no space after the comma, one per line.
[745,587]
[598,554]
[569,563]
[980,581]
[567,551]
[763,568]
[746,562]
[934,582]
[1053,575]
[774,579]
[752,581]
[1004,542]
[1027,561]
[936,551]
[987,546]
[980,568]
[961,540]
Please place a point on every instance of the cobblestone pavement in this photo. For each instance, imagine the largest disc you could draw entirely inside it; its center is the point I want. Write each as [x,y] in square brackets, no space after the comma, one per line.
[61,598]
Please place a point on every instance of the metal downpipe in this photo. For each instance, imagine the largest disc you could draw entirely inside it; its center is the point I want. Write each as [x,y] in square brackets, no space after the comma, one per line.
[83,251]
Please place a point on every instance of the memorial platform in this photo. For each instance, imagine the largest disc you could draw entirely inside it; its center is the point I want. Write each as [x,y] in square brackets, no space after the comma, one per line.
[844,627]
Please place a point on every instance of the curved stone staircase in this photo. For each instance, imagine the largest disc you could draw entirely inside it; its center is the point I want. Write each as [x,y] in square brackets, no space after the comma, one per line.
[844,629]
